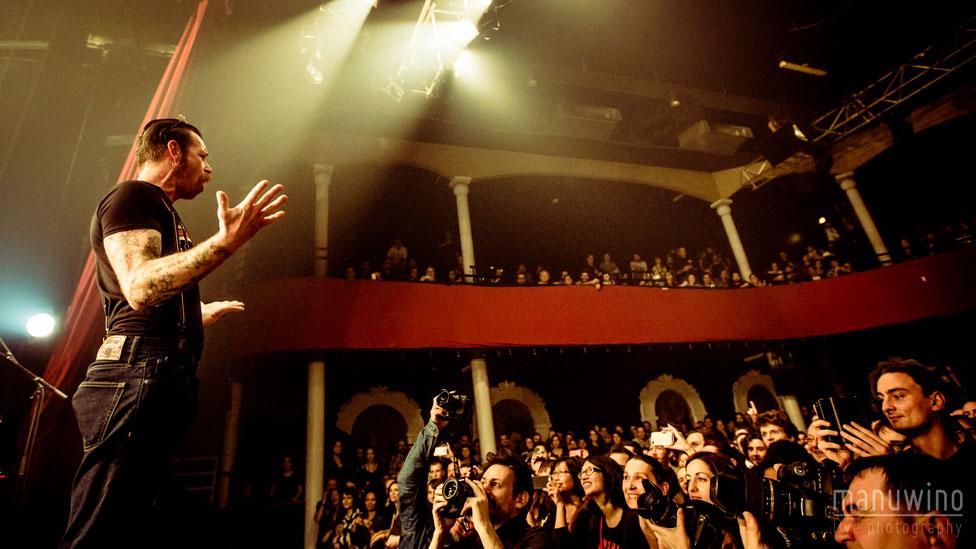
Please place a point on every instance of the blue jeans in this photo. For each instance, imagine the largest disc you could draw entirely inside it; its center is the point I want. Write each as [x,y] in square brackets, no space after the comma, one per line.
[132,413]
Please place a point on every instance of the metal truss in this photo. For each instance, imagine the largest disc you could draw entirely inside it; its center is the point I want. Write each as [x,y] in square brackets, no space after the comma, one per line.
[895,88]
[431,50]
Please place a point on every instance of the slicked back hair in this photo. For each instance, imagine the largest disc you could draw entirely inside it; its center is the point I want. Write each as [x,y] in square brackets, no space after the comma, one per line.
[158,133]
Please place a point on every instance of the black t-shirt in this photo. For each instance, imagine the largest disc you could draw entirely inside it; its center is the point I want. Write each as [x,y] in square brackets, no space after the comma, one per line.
[134,205]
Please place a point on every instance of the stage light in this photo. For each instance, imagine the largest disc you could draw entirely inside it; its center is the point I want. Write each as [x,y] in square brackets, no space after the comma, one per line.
[822,220]
[40,325]
[314,75]
[467,31]
[805,69]
[463,63]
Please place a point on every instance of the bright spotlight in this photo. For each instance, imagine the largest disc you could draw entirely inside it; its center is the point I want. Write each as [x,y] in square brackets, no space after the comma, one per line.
[314,75]
[460,32]
[822,220]
[40,325]
[463,63]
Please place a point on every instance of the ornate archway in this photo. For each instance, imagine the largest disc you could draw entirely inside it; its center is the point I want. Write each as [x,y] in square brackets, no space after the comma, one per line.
[741,387]
[507,390]
[650,393]
[381,396]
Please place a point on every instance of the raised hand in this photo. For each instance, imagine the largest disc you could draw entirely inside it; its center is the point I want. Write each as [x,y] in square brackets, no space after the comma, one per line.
[819,429]
[749,531]
[863,442]
[680,442]
[673,538]
[240,223]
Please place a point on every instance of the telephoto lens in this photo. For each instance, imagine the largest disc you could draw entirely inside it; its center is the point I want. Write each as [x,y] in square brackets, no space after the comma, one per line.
[456,492]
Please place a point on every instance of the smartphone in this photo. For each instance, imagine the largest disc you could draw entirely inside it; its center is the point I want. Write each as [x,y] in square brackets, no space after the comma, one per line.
[662,438]
[440,451]
[840,411]
[539,482]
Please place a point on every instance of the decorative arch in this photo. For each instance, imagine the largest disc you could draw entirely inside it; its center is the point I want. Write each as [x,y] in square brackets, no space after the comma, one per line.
[381,396]
[507,390]
[740,389]
[666,382]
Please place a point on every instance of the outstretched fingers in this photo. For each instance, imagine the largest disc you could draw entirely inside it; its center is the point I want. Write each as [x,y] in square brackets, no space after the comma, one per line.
[268,196]
[252,195]
[274,205]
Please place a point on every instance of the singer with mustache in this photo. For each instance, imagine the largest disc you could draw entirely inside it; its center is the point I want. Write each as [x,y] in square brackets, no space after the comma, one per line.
[139,396]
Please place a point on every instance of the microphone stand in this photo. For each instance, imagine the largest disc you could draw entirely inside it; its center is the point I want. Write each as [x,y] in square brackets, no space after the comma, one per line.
[41,385]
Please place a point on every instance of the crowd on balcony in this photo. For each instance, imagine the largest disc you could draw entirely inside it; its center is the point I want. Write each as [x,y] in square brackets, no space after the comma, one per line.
[678,268]
[585,488]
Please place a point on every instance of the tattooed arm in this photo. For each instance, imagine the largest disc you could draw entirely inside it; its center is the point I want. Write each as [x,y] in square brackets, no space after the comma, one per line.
[147,278]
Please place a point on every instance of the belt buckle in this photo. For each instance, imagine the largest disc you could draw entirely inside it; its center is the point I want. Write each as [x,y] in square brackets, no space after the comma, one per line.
[111,348]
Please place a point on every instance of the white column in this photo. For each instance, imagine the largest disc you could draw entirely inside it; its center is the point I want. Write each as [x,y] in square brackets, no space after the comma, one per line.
[323,180]
[847,183]
[724,212]
[460,185]
[229,454]
[482,406]
[792,408]
[314,448]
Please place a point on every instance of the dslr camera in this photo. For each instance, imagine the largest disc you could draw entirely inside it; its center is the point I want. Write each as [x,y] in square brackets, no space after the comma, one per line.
[798,506]
[456,492]
[454,404]
[701,518]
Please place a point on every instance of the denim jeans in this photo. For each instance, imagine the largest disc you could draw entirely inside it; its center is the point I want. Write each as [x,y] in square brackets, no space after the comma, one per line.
[132,413]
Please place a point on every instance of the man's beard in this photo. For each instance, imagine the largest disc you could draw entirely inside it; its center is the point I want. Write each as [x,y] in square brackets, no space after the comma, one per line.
[189,184]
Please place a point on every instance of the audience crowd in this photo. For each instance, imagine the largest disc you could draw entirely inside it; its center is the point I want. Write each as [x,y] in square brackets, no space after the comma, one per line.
[676,269]
[589,488]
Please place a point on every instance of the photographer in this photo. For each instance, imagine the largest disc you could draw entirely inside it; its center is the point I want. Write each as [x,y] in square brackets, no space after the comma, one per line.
[641,468]
[413,507]
[493,514]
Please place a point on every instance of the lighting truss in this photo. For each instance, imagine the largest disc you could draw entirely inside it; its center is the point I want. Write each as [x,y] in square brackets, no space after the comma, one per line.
[443,29]
[896,87]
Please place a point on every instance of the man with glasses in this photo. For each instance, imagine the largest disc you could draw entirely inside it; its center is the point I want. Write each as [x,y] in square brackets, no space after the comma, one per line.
[138,399]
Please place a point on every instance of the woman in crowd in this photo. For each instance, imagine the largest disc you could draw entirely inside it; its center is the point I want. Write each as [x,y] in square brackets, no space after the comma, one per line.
[701,469]
[336,463]
[607,521]
[351,532]
[580,450]
[389,535]
[372,516]
[596,445]
[556,449]
[638,469]
[370,473]
[565,491]
[541,507]
[327,517]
